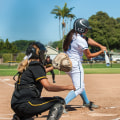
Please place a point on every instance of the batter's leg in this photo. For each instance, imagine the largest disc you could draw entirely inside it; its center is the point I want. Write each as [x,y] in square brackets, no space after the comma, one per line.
[84,97]
[71,95]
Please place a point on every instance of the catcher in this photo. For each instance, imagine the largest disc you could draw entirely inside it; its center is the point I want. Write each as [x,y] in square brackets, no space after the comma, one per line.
[26,99]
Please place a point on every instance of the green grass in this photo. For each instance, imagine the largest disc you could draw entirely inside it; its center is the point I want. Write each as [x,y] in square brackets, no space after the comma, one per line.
[8,66]
[57,72]
[100,65]
[6,70]
[102,70]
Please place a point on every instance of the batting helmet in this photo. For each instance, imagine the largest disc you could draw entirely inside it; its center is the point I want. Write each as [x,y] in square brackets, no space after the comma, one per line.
[80,25]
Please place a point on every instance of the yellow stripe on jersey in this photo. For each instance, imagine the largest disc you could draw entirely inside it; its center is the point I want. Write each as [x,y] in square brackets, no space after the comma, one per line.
[48,65]
[40,78]
[41,103]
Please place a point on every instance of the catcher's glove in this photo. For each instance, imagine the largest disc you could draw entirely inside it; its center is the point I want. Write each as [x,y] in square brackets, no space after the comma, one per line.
[62,62]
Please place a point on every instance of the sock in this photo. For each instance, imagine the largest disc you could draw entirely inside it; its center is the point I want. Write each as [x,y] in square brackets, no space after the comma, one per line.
[84,97]
[71,95]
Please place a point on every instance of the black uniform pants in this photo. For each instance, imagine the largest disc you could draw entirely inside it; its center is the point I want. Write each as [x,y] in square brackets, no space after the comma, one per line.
[34,107]
[53,74]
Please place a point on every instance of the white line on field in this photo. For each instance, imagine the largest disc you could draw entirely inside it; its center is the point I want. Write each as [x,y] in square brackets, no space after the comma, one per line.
[101,114]
[116,118]
[5,114]
[4,81]
[3,118]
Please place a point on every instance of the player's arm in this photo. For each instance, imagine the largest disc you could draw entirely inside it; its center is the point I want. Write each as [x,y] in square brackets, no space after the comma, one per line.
[49,69]
[55,88]
[94,43]
[89,55]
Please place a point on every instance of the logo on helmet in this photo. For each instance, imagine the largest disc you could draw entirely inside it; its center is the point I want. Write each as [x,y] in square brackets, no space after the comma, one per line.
[81,22]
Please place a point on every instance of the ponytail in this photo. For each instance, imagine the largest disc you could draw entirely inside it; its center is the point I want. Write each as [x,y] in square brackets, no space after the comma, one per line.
[22,65]
[68,40]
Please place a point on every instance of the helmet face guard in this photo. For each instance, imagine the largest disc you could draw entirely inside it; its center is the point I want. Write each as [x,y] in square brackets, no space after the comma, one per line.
[81,25]
[36,54]
[42,51]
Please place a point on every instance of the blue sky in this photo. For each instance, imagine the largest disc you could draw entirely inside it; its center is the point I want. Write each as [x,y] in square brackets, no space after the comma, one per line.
[31,19]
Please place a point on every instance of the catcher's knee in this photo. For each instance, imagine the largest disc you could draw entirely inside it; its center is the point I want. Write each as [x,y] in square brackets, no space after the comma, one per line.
[60,100]
[55,111]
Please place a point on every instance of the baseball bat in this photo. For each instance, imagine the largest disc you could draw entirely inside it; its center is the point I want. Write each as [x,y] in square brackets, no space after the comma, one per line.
[107,59]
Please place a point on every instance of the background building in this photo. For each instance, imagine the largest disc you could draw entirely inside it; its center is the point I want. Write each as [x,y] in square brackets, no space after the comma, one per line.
[52,52]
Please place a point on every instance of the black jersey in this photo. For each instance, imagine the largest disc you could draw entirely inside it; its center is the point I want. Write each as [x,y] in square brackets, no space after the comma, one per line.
[48,64]
[31,76]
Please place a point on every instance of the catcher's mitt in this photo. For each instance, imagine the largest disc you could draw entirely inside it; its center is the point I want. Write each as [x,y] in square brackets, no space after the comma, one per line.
[62,62]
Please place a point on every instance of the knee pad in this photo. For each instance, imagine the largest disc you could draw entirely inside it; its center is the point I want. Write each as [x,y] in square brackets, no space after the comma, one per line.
[55,112]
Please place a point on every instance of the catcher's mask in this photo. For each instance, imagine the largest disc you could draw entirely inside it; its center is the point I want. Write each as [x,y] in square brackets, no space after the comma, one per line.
[37,51]
[81,25]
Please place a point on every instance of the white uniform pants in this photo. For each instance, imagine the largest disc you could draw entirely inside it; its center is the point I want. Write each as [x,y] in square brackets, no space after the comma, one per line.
[77,76]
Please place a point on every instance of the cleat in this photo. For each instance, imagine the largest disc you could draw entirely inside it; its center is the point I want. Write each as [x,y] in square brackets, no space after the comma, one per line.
[91,105]
[54,81]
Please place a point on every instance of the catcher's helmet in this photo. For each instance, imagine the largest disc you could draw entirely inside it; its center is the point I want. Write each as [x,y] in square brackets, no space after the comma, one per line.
[80,25]
[36,54]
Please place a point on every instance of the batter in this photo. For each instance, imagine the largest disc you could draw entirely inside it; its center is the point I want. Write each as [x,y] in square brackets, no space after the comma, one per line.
[75,45]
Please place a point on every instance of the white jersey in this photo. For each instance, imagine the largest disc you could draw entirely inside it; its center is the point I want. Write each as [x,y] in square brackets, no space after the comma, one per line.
[78,44]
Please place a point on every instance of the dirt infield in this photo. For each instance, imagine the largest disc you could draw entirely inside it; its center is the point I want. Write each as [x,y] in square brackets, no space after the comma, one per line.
[103,89]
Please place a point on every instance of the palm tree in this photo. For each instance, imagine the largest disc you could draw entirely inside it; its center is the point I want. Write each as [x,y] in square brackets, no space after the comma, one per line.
[62,13]
[71,16]
[57,12]
[65,14]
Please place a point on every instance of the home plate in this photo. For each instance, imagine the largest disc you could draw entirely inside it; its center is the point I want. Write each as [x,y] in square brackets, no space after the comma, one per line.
[110,107]
[101,114]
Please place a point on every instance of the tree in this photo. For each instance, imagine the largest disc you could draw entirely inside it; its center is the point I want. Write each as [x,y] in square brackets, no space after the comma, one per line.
[118,20]
[20,57]
[22,44]
[62,13]
[7,47]
[1,44]
[71,16]
[57,12]
[105,30]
